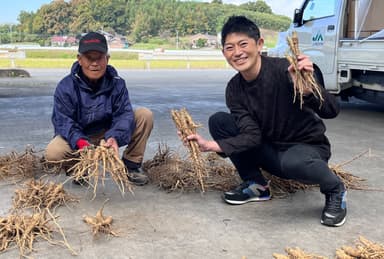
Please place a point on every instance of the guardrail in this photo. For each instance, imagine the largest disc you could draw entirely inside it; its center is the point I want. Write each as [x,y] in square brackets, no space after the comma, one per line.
[184,55]
[12,54]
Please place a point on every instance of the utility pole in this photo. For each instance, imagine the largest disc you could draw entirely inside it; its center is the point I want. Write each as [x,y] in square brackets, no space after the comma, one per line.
[177,39]
[10,33]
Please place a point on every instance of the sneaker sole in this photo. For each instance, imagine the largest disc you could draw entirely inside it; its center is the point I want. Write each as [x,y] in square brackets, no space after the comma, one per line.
[334,225]
[232,202]
[139,184]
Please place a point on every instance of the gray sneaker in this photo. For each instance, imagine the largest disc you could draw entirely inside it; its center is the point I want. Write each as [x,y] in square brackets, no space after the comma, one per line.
[137,177]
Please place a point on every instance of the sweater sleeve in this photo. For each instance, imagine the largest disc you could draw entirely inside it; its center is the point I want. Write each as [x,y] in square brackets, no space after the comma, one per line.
[249,131]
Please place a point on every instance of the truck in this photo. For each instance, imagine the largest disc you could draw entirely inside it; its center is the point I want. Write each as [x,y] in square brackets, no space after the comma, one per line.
[345,39]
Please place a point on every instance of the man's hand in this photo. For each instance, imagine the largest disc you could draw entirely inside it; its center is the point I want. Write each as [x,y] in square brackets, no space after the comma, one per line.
[82,143]
[111,142]
[303,64]
[204,145]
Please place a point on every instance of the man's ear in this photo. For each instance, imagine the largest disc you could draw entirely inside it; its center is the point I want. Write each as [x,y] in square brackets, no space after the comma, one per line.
[260,44]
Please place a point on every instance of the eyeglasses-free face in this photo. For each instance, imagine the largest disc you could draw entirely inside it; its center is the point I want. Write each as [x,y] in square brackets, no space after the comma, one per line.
[93,64]
[243,54]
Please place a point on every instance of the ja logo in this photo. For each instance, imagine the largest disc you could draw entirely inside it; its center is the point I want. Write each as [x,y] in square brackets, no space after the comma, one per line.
[318,39]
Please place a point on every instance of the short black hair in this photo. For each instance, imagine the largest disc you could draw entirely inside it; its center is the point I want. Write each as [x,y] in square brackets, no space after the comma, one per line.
[240,24]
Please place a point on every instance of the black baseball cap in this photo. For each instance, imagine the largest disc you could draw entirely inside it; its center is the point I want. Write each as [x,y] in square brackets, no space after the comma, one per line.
[93,41]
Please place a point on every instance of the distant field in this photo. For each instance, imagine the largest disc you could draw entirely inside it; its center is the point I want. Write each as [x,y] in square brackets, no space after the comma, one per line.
[118,63]
[121,59]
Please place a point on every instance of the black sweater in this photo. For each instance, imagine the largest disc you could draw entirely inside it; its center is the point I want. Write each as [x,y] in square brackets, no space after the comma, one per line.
[264,110]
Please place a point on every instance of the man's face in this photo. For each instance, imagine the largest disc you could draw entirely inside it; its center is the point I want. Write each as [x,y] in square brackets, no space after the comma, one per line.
[93,64]
[242,53]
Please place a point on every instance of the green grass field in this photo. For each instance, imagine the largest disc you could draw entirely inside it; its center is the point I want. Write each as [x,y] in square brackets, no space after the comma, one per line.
[118,63]
[119,59]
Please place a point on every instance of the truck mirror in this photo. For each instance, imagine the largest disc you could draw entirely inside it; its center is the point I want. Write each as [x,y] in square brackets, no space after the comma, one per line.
[297,16]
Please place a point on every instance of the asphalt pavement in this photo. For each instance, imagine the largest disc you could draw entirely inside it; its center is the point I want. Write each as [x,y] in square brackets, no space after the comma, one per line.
[155,224]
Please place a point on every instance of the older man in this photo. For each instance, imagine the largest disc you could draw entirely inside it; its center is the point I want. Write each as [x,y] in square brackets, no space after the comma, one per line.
[92,103]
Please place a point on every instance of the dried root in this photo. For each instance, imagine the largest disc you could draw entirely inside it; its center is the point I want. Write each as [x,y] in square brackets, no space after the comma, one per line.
[22,231]
[350,181]
[100,223]
[172,173]
[280,188]
[364,249]
[303,79]
[19,166]
[186,126]
[38,195]
[94,163]
[296,253]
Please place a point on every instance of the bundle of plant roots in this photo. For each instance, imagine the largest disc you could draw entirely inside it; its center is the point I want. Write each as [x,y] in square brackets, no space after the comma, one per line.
[93,164]
[280,188]
[40,195]
[100,223]
[296,253]
[350,181]
[23,230]
[186,126]
[364,249]
[18,166]
[170,172]
[304,79]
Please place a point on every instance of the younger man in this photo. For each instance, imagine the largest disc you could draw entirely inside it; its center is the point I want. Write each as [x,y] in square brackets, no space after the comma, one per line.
[265,129]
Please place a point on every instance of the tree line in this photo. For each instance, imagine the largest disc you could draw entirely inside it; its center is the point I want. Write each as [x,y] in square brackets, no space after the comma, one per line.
[139,20]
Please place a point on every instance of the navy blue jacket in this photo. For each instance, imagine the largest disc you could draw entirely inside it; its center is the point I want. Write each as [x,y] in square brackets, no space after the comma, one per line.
[79,111]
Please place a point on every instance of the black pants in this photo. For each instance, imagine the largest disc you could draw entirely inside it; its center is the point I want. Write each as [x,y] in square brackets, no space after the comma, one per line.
[301,162]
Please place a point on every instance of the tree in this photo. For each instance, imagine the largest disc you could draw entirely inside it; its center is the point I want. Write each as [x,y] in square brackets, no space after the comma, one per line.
[258,6]
[140,20]
[84,20]
[55,17]
[201,43]
[26,21]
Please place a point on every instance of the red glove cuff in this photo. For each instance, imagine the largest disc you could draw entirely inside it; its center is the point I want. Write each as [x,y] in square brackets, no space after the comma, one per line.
[82,143]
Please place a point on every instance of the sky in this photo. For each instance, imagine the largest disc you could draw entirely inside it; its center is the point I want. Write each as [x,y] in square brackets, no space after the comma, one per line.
[10,11]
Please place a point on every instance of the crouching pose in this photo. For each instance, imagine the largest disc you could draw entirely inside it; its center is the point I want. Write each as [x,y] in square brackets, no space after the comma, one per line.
[91,104]
[266,130]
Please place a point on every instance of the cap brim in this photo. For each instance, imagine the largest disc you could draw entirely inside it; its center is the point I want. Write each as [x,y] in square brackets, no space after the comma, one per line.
[93,48]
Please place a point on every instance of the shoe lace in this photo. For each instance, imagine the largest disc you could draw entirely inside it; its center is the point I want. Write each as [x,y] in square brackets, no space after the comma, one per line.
[242,186]
[333,202]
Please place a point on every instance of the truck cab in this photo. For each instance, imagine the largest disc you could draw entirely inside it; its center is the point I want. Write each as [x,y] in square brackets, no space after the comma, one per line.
[345,39]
